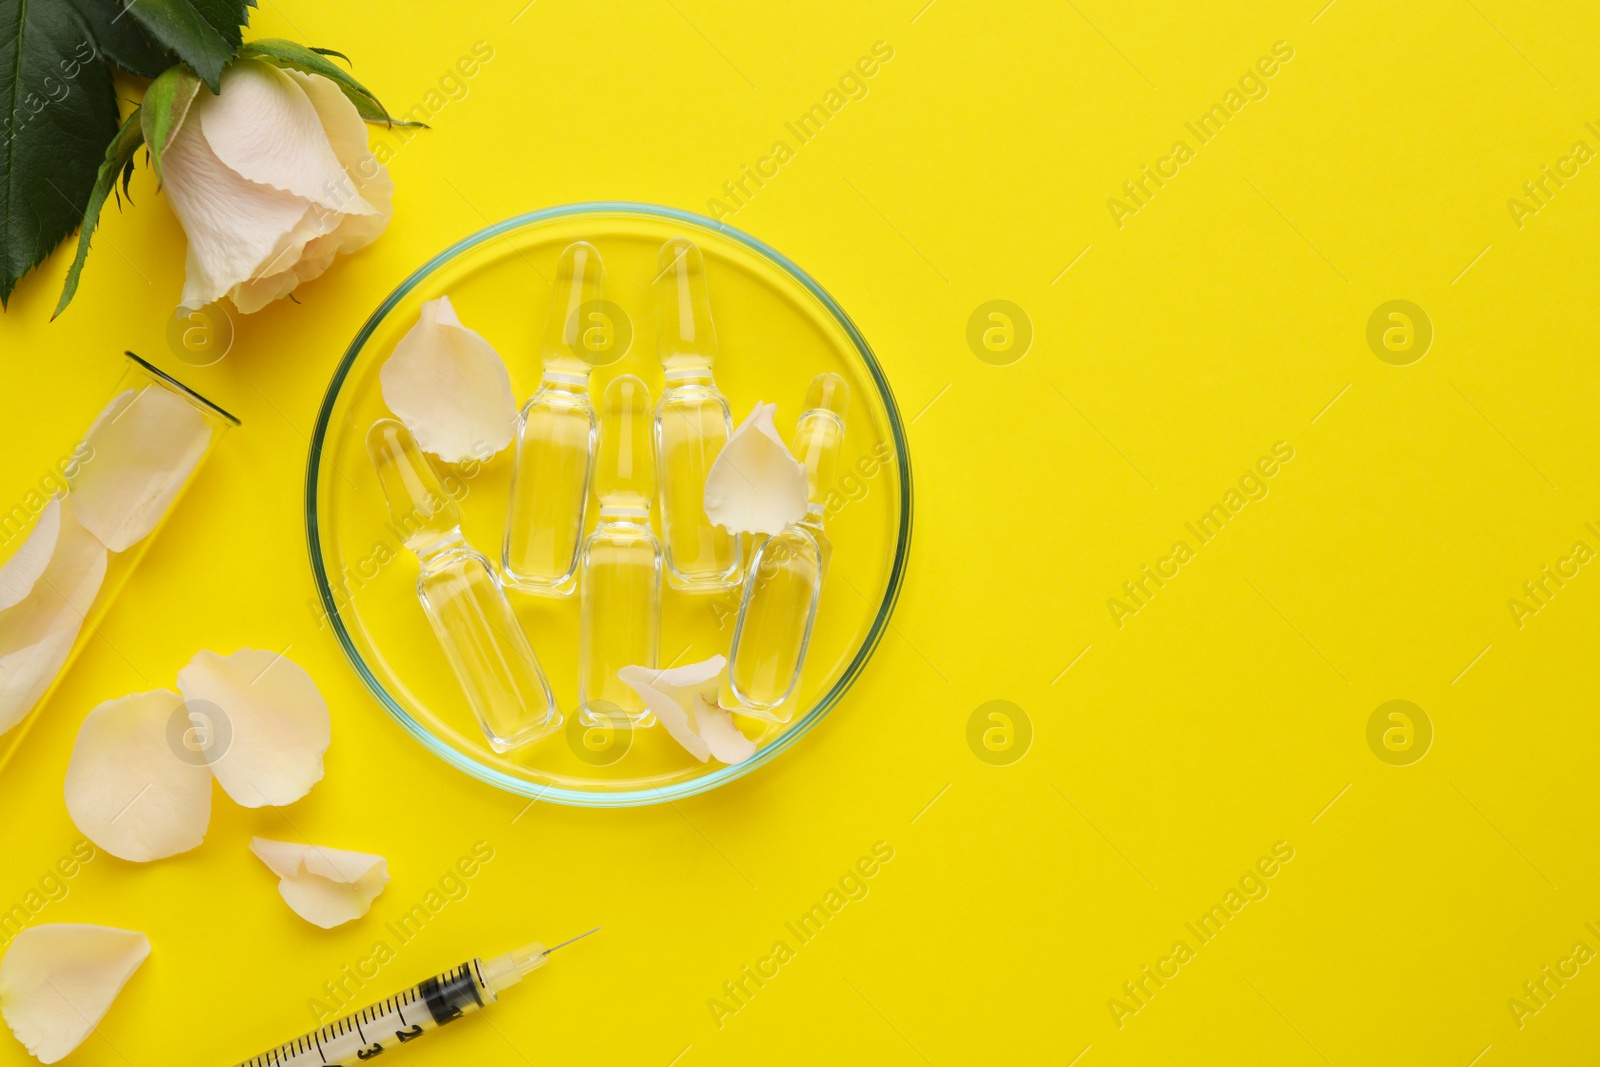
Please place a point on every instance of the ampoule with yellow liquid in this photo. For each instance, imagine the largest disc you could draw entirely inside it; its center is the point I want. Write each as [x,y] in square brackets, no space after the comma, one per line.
[553,460]
[620,586]
[779,604]
[486,648]
[692,424]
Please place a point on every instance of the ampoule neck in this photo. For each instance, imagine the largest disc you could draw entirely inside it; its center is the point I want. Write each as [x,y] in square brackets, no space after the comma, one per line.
[432,545]
[688,376]
[564,379]
[624,510]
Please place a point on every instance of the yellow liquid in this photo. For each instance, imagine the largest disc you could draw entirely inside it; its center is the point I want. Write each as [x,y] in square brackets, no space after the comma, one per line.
[691,428]
[554,462]
[780,604]
[620,623]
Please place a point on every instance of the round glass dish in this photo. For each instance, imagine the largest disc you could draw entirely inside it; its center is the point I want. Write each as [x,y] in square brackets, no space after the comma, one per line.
[777,329]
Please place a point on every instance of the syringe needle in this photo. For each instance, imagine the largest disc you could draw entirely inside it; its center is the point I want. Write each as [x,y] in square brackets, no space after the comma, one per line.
[569,941]
[423,1008]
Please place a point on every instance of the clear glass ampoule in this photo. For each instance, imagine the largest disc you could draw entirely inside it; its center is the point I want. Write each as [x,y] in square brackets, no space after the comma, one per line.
[485,645]
[553,462]
[779,603]
[691,426]
[620,609]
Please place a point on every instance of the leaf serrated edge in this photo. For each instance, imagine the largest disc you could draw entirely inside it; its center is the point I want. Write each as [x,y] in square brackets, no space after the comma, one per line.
[118,161]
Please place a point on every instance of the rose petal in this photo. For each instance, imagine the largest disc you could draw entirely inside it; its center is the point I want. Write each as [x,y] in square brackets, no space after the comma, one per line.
[270,717]
[720,733]
[278,274]
[264,128]
[684,699]
[347,134]
[145,445]
[755,485]
[23,569]
[37,632]
[450,387]
[325,886]
[671,693]
[233,226]
[58,980]
[128,789]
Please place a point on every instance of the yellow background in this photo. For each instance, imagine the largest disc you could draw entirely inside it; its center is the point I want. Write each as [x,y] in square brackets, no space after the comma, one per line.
[1225,716]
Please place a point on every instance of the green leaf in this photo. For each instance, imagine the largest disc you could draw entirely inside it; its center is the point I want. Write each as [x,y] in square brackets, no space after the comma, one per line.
[314,61]
[166,105]
[57,112]
[118,161]
[204,33]
[121,40]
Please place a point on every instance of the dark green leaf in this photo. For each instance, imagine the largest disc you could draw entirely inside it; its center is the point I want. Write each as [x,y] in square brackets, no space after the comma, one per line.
[166,105]
[314,61]
[121,39]
[204,33]
[57,113]
[118,161]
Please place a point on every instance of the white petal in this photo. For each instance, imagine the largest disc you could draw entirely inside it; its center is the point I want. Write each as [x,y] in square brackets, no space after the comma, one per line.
[279,273]
[755,485]
[670,694]
[23,569]
[270,721]
[37,633]
[127,788]
[58,980]
[143,449]
[325,886]
[264,128]
[721,735]
[450,387]
[234,226]
[332,231]
[347,134]
[684,699]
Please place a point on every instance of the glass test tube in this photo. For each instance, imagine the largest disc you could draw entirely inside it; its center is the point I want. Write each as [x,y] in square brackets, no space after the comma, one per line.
[692,424]
[482,640]
[553,461]
[779,602]
[146,405]
[620,609]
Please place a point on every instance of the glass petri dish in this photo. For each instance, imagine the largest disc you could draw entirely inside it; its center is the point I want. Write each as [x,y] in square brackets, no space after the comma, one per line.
[777,329]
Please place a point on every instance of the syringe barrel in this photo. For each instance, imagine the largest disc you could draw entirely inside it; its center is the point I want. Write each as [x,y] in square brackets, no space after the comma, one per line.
[404,1017]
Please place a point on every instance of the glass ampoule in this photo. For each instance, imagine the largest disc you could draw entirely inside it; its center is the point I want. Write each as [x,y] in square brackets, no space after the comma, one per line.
[482,640]
[779,603]
[620,599]
[692,424]
[553,461]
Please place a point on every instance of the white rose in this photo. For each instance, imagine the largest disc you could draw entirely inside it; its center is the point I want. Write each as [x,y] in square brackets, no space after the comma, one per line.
[271,179]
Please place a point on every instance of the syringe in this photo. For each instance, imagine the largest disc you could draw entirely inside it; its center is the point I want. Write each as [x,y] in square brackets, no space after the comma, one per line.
[406,1016]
